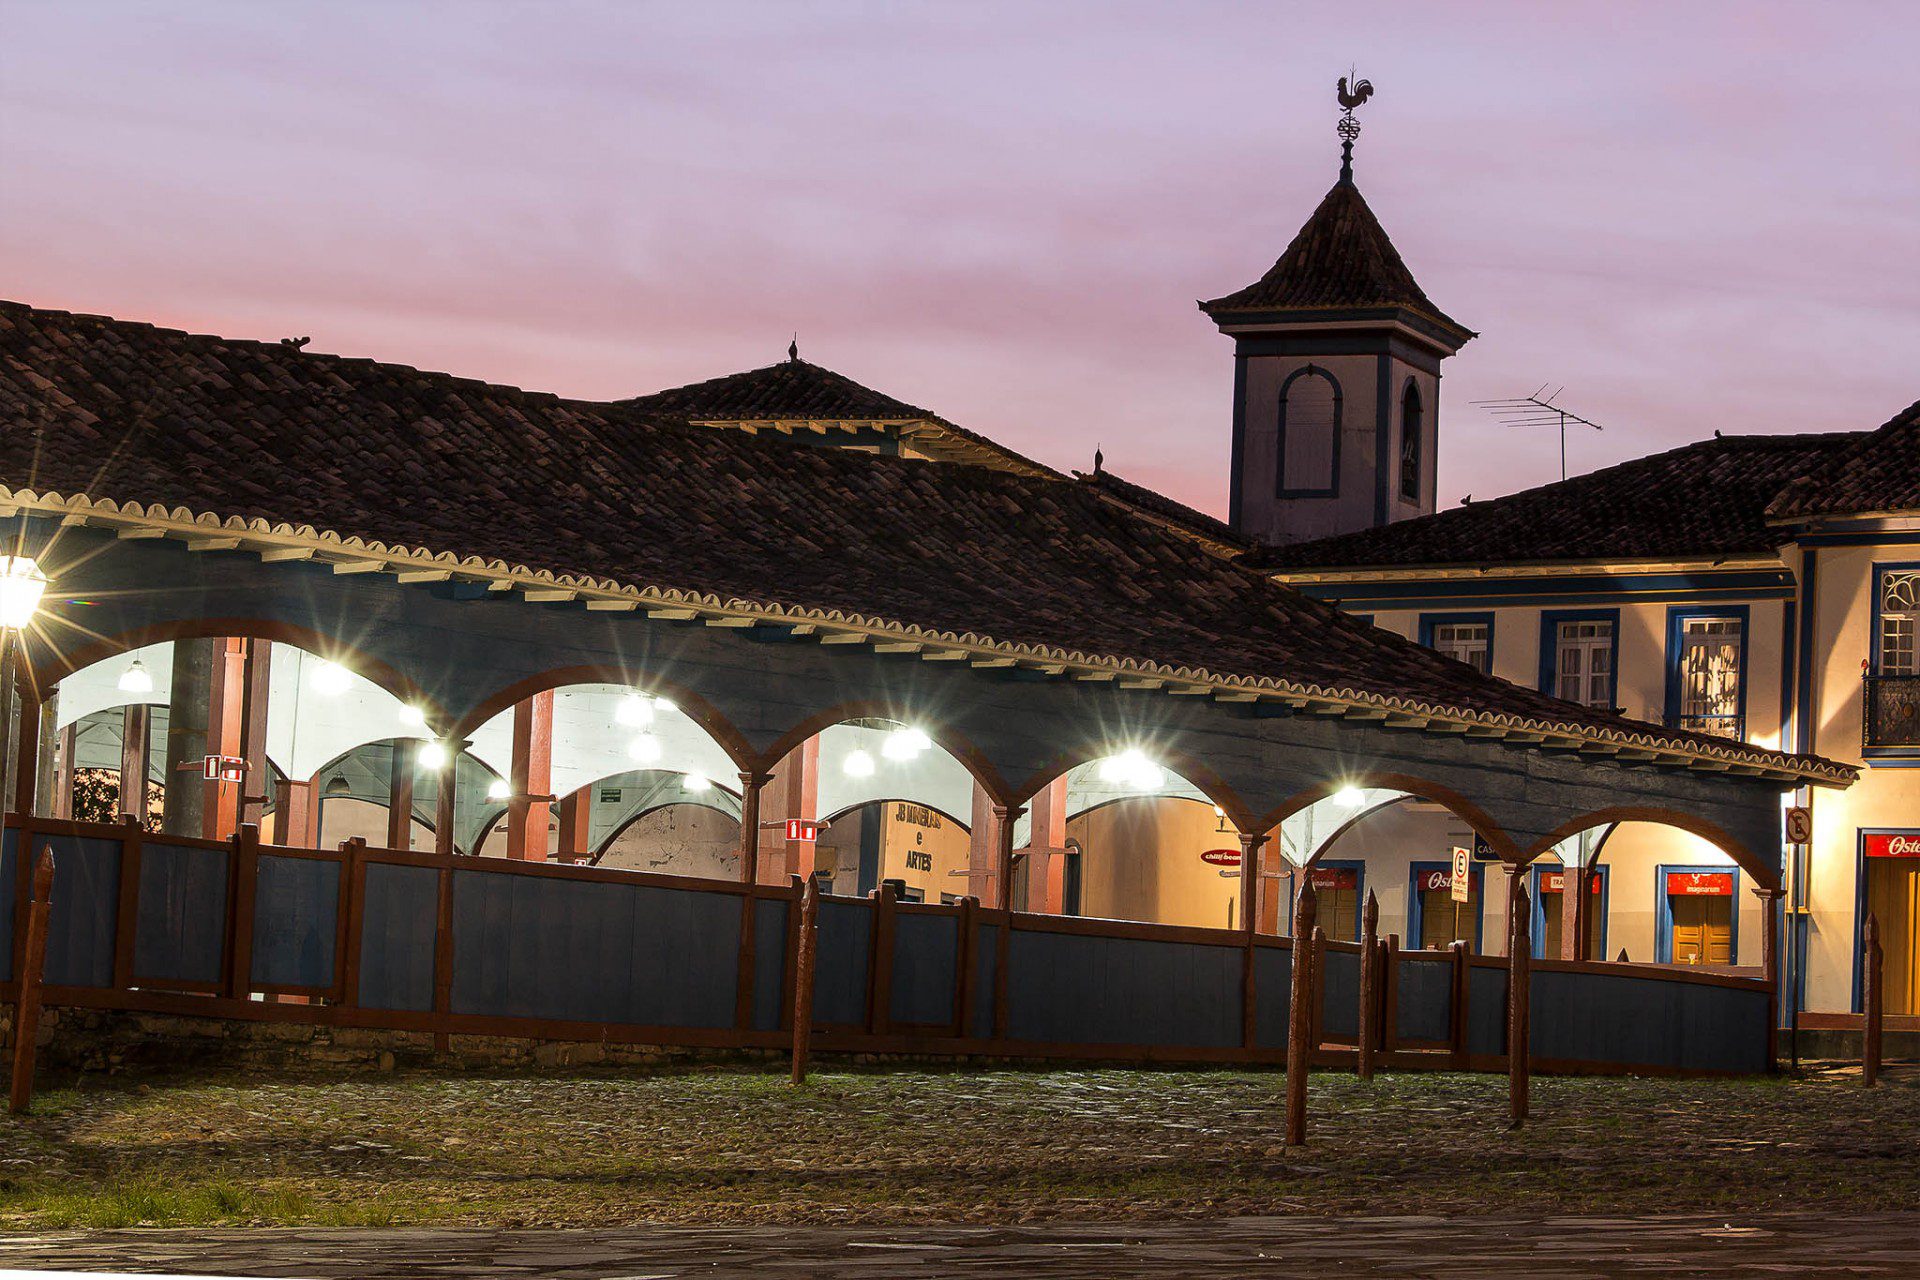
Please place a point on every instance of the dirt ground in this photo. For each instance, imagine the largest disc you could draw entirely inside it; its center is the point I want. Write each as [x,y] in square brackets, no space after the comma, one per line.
[739,1148]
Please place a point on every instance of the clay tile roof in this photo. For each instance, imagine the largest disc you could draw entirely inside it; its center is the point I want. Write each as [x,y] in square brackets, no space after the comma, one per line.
[1158,506]
[1706,499]
[1342,258]
[1880,472]
[614,499]
[797,391]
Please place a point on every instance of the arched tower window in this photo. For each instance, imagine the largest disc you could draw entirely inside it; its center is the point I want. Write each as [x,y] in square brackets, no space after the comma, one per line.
[1309,435]
[1411,433]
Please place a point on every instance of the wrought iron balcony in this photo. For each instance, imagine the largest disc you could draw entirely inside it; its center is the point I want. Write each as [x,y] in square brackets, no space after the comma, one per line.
[1729,726]
[1892,711]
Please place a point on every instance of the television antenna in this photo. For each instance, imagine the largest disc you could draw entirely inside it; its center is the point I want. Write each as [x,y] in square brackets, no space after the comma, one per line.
[1538,410]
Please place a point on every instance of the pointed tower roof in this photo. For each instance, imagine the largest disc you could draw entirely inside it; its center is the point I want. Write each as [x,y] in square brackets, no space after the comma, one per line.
[1342,260]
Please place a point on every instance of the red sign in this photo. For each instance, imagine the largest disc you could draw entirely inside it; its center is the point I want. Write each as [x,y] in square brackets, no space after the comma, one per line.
[1442,878]
[223,768]
[1699,884]
[1556,882]
[1892,844]
[1221,857]
[1336,878]
[804,830]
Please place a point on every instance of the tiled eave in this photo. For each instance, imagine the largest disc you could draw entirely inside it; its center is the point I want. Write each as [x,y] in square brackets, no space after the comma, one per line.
[930,436]
[206,531]
[1522,569]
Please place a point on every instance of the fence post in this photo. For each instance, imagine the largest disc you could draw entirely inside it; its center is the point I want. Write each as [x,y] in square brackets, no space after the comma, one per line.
[803,978]
[880,960]
[1873,993]
[1519,958]
[1369,985]
[244,878]
[26,1011]
[1300,1014]
[1457,1027]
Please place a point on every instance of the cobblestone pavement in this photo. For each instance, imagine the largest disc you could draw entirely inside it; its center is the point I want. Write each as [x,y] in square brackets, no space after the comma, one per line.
[1418,1248]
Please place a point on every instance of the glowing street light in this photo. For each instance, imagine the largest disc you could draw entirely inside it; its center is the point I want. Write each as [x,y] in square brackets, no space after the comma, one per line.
[695,782]
[331,678]
[858,764]
[412,716]
[136,678]
[433,756]
[634,709]
[905,744]
[1349,797]
[499,789]
[21,586]
[645,748]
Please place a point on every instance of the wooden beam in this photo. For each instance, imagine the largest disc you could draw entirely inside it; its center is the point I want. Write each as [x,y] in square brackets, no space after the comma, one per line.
[277,555]
[549,595]
[134,533]
[898,646]
[673,615]
[345,567]
[213,544]
[730,623]
[612,606]
[423,575]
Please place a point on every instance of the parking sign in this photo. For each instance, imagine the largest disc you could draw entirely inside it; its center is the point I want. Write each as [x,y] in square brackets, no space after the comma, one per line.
[1462,868]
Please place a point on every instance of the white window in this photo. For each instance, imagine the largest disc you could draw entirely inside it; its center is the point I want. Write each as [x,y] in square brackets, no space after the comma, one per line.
[1583,667]
[1712,656]
[1899,614]
[1468,642]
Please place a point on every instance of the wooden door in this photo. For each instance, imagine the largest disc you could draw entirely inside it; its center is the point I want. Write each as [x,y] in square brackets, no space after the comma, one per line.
[1336,911]
[1550,913]
[1893,896]
[1444,921]
[1702,928]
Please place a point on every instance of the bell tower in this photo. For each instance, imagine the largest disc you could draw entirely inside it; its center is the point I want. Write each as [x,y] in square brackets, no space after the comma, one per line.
[1336,374]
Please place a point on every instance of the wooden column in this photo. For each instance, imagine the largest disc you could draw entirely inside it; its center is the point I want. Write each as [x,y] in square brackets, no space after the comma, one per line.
[1278,889]
[803,976]
[1004,816]
[1770,964]
[751,785]
[1573,893]
[1873,1000]
[60,802]
[576,821]
[983,844]
[256,674]
[1300,1013]
[1370,975]
[406,752]
[1249,919]
[226,717]
[296,814]
[26,1010]
[1519,963]
[446,809]
[1047,849]
[793,792]
[530,808]
[136,731]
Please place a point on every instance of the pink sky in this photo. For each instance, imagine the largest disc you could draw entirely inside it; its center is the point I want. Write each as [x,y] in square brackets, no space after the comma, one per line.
[1692,215]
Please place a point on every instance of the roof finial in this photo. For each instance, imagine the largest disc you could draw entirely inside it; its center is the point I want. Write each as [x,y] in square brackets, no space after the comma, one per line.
[793,349]
[1098,459]
[1349,128]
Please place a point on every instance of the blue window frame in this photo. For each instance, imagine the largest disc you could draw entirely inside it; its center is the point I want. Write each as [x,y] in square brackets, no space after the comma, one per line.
[1663,911]
[1551,621]
[1442,631]
[1539,924]
[1697,697]
[1415,918]
[1309,433]
[1877,652]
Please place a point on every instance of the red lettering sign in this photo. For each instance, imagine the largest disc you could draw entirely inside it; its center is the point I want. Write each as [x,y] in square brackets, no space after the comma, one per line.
[804,830]
[1336,878]
[1441,878]
[1221,857]
[1892,844]
[1556,882]
[1696,884]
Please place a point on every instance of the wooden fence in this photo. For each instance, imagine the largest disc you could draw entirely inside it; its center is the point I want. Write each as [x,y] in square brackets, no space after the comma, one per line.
[409,941]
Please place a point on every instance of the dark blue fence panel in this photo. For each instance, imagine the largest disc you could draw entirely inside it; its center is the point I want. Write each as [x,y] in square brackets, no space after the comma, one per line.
[1340,994]
[296,909]
[531,946]
[925,956]
[1486,1009]
[769,963]
[1273,996]
[1423,999]
[1626,1020]
[180,931]
[397,919]
[1068,988]
[86,902]
[986,963]
[840,962]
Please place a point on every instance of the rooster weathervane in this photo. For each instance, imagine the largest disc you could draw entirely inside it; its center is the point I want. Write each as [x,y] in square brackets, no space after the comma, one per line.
[1349,128]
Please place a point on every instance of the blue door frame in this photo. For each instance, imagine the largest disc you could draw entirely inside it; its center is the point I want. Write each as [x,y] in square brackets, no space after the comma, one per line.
[1416,921]
[1663,911]
[1539,923]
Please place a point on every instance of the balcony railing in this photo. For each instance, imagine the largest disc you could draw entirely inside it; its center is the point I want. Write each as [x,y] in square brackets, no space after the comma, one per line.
[1892,711]
[1728,726]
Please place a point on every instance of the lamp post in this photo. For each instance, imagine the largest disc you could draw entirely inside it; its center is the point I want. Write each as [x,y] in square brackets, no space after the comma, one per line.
[21,586]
